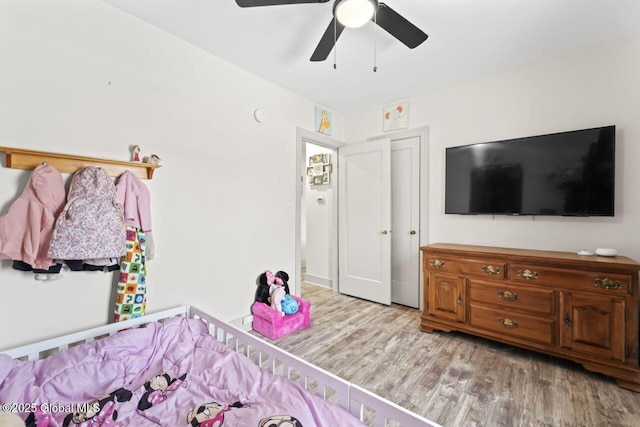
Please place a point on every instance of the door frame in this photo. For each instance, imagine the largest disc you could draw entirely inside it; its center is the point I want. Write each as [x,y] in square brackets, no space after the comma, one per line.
[304,136]
[423,134]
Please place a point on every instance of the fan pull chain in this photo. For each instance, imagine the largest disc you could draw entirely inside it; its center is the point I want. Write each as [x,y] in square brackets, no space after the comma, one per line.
[375,41]
[335,42]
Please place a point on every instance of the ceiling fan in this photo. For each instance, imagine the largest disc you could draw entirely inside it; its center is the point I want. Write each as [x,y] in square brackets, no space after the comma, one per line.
[353,14]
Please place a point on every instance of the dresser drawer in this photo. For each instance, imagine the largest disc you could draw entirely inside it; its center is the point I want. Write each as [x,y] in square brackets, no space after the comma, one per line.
[493,268]
[511,324]
[525,298]
[584,280]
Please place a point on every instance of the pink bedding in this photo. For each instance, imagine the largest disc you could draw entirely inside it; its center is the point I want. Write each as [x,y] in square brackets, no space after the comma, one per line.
[171,374]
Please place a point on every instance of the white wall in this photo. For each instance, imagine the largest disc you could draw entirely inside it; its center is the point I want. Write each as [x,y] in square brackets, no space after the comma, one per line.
[596,87]
[319,223]
[81,77]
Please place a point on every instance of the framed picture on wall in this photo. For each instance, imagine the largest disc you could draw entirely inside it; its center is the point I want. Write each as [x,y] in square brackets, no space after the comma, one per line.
[319,169]
[395,117]
[323,121]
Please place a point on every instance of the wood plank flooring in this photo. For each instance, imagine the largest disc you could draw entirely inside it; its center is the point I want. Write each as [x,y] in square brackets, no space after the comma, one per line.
[452,378]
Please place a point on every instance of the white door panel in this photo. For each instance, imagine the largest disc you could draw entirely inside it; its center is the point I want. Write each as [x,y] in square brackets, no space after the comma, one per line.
[365,220]
[405,214]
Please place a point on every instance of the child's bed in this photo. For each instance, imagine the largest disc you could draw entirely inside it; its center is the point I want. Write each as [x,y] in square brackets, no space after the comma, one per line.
[183,368]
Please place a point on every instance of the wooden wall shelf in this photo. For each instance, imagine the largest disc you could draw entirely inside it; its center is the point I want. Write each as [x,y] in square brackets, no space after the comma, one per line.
[18,158]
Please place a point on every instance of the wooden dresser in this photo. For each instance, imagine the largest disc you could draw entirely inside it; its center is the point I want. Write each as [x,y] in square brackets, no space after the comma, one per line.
[582,308]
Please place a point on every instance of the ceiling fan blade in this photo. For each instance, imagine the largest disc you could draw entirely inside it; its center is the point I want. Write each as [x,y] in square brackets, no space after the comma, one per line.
[327,41]
[255,3]
[399,27]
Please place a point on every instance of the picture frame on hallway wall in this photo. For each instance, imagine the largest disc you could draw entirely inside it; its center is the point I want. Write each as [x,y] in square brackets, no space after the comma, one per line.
[319,169]
[395,117]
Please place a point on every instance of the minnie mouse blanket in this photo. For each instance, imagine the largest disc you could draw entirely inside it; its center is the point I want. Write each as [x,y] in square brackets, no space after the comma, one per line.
[166,374]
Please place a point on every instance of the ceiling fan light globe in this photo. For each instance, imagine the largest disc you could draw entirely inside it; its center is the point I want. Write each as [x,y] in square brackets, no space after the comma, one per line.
[354,13]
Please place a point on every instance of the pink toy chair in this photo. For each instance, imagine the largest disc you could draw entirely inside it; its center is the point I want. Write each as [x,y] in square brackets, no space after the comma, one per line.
[273,325]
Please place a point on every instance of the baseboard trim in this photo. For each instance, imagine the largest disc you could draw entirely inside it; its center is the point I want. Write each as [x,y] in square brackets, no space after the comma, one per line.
[317,280]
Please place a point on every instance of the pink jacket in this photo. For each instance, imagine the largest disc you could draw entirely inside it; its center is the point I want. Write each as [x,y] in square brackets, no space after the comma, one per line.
[25,230]
[135,199]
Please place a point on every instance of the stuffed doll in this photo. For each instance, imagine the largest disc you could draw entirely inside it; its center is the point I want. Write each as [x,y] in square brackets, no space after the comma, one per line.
[289,305]
[262,293]
[285,279]
[265,280]
[276,295]
[135,153]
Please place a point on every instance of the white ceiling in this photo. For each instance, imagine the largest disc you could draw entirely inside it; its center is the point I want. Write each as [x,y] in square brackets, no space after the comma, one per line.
[468,39]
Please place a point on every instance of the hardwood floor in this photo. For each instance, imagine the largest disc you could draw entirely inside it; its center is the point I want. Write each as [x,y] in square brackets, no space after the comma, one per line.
[451,378]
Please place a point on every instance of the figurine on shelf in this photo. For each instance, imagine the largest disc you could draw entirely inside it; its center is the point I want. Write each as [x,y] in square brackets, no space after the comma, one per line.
[152,159]
[135,153]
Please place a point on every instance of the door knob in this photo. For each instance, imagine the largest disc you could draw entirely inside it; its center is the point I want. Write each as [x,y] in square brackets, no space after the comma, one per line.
[383,232]
[412,232]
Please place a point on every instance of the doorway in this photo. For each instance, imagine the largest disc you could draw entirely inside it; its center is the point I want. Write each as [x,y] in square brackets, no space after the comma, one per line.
[318,203]
[324,265]
[411,278]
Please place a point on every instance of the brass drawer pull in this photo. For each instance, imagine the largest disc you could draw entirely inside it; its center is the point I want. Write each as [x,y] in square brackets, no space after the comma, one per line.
[508,323]
[508,296]
[528,274]
[490,269]
[607,283]
[436,263]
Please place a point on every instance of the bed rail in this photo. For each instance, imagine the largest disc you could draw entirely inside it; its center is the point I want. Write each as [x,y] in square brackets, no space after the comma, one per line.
[368,407]
[42,349]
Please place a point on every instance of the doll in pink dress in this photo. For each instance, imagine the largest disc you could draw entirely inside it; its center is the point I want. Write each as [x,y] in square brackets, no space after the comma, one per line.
[135,153]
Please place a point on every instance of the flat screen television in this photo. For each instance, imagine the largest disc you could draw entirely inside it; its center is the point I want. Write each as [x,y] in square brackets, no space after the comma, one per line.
[564,174]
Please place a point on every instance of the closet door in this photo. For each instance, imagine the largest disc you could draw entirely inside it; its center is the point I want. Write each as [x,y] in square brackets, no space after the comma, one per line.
[405,222]
[364,213]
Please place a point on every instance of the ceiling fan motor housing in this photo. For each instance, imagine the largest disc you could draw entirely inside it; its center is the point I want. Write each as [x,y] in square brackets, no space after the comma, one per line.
[356,10]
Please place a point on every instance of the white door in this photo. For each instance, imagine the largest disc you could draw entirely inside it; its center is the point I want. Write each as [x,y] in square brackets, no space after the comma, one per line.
[405,220]
[364,211]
